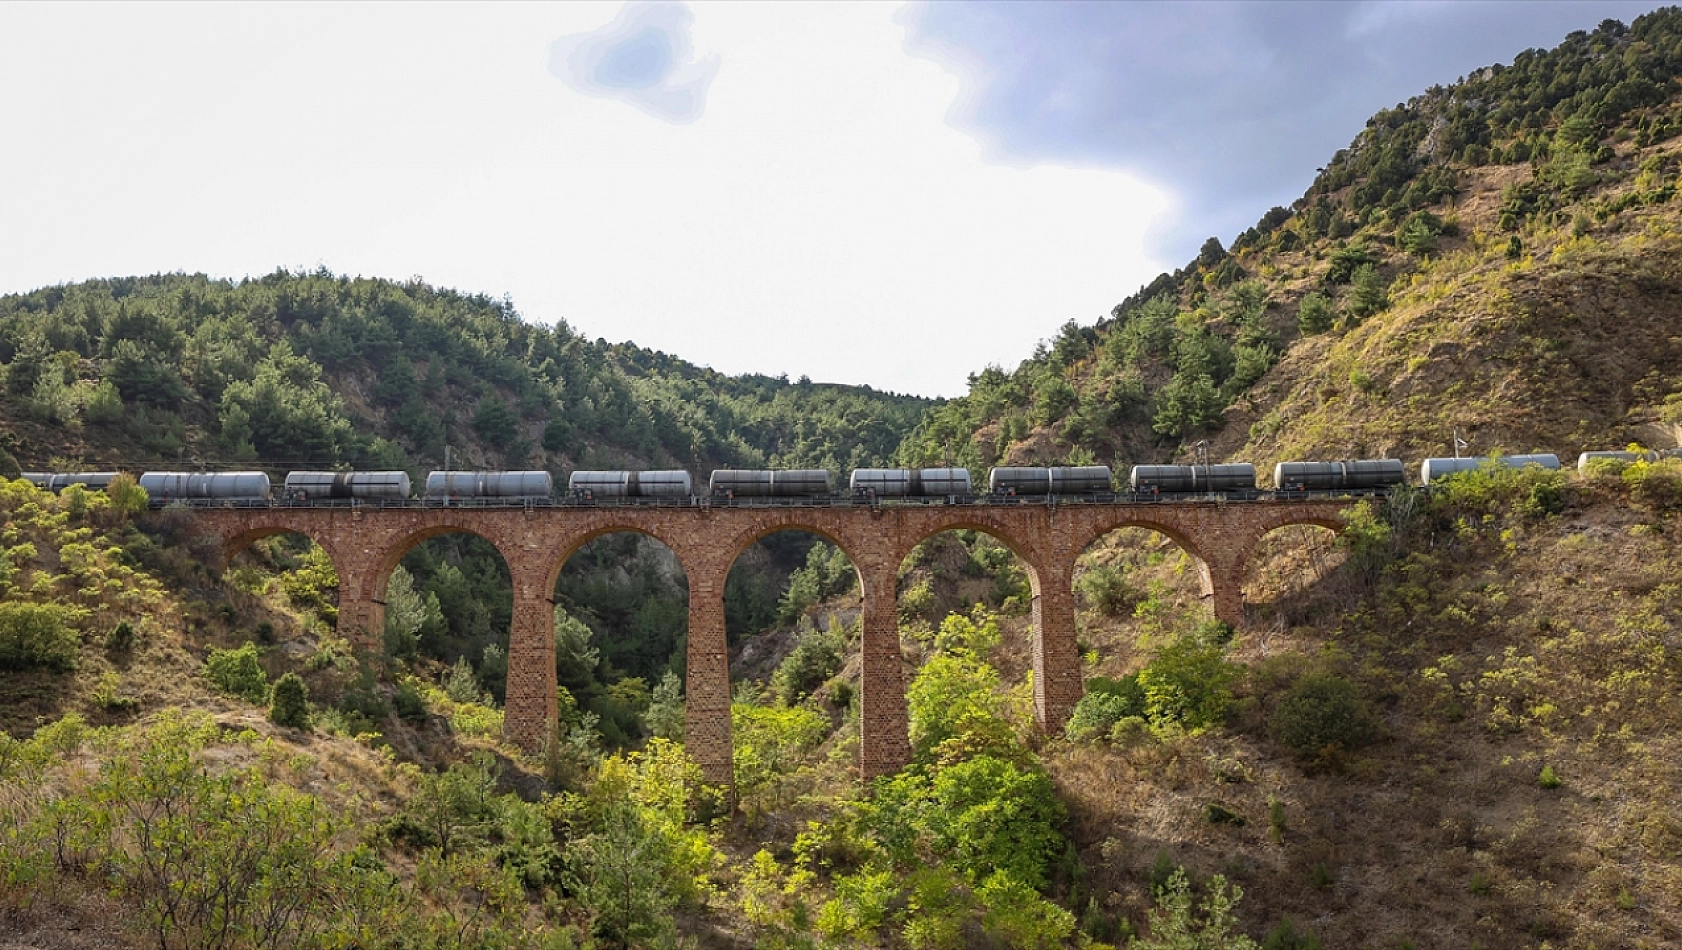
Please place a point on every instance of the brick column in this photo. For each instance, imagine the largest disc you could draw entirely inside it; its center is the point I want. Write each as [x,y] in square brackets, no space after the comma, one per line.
[884,742]
[531,711]
[1223,584]
[361,617]
[1057,674]
[706,729]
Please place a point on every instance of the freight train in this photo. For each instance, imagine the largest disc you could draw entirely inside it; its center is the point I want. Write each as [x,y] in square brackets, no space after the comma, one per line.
[1005,485]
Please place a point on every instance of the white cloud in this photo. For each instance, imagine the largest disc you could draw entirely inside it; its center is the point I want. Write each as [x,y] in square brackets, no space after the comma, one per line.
[818,218]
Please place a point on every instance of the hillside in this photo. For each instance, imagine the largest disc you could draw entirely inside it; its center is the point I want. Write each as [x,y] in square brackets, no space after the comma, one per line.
[1452,726]
[1496,257]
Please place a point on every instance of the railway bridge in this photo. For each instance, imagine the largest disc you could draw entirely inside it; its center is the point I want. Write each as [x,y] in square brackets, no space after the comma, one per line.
[367,542]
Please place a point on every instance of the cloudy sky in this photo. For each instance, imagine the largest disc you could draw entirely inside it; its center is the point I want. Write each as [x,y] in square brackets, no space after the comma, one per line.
[887,194]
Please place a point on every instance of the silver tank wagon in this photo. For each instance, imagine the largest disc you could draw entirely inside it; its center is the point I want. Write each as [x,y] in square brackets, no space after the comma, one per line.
[1334,476]
[489,485]
[214,486]
[764,483]
[663,484]
[1432,469]
[359,485]
[59,481]
[1233,476]
[1585,459]
[1061,480]
[910,482]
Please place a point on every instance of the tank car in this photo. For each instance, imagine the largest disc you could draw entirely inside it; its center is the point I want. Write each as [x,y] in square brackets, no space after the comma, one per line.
[1357,474]
[1584,459]
[663,484]
[1432,469]
[1235,476]
[165,487]
[910,482]
[59,481]
[366,486]
[1063,480]
[765,483]
[498,485]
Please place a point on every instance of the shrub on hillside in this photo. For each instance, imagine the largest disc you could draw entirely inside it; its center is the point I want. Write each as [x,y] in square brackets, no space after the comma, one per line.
[1655,484]
[290,706]
[237,673]
[1106,703]
[1531,491]
[1188,685]
[1107,591]
[815,658]
[34,635]
[121,638]
[1322,716]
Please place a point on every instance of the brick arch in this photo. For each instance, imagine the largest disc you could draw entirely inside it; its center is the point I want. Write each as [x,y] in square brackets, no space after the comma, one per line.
[1005,534]
[732,549]
[399,546]
[740,542]
[574,542]
[1245,545]
[1172,532]
[235,543]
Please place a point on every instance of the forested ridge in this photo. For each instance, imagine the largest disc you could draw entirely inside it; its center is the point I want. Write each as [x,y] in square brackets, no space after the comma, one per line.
[313,369]
[1454,725]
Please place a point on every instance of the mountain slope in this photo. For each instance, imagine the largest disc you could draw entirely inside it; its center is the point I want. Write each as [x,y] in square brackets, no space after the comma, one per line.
[1494,257]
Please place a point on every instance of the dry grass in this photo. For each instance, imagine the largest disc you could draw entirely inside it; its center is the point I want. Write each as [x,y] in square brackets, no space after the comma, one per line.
[1440,834]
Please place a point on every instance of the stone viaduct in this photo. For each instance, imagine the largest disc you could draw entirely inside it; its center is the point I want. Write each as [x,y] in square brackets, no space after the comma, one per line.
[366,543]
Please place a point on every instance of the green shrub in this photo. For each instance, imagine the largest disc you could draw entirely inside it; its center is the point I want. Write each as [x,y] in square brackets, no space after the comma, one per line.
[1188,685]
[408,703]
[361,698]
[815,658]
[1107,591]
[1549,779]
[237,673]
[34,635]
[841,693]
[1286,936]
[1321,716]
[1657,485]
[121,638]
[1106,703]
[108,694]
[462,685]
[1217,814]
[1315,314]
[1276,820]
[290,706]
